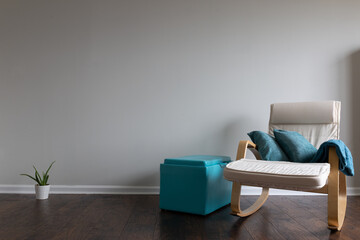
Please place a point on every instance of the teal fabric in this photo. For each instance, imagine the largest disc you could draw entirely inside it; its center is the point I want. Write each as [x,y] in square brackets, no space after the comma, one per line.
[267,146]
[345,158]
[295,146]
[198,160]
[193,187]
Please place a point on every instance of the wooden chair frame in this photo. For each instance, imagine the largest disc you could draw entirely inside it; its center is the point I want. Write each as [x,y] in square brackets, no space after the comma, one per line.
[335,189]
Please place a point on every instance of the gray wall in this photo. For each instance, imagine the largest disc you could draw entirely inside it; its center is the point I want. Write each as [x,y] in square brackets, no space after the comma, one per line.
[108,89]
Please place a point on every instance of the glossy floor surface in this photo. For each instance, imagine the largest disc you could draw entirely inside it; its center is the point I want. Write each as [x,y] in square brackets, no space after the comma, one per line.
[139,217]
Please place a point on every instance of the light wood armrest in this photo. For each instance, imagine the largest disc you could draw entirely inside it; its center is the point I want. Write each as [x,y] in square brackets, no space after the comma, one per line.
[243,145]
[333,159]
[336,193]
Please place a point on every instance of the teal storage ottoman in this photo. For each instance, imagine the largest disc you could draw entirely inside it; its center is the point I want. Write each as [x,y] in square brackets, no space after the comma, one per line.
[194,184]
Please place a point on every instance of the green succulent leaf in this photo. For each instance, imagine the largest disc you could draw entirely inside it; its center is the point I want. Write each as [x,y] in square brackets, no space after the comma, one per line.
[38,177]
[24,174]
[46,179]
[47,171]
[41,180]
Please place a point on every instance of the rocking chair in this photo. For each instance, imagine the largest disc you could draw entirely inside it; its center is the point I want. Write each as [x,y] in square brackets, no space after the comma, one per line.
[317,122]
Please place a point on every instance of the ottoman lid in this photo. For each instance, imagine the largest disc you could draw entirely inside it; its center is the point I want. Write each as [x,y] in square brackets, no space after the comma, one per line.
[198,160]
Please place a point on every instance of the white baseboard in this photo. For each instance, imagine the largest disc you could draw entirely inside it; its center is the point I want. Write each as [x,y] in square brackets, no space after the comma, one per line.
[109,189]
[83,189]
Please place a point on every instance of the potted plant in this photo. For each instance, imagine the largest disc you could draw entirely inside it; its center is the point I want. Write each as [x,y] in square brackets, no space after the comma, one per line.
[42,187]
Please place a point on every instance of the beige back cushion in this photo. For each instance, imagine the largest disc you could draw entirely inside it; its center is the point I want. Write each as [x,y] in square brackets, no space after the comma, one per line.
[316,121]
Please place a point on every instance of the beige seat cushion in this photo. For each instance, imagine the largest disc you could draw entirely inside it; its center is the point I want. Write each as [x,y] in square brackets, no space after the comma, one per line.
[274,174]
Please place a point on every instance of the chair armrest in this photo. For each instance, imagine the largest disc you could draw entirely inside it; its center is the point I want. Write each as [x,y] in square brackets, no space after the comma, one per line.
[333,159]
[333,178]
[243,145]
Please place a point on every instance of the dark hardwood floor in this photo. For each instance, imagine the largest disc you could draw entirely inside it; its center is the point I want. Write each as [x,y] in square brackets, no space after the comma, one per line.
[139,217]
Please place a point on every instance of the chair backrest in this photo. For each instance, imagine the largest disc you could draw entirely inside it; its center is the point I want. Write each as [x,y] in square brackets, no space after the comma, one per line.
[316,121]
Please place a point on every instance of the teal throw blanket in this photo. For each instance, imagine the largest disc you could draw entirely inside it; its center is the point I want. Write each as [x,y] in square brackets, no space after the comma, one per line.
[345,158]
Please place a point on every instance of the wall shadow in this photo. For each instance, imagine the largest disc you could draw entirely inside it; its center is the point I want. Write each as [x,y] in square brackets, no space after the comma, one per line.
[355,110]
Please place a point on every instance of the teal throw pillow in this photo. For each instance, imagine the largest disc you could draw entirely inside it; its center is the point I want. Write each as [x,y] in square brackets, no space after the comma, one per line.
[295,146]
[268,148]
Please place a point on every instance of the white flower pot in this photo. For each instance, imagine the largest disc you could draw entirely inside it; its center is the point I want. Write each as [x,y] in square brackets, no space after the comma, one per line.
[42,192]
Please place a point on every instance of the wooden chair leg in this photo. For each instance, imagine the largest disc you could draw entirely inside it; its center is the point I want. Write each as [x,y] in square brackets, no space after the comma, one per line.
[336,193]
[235,201]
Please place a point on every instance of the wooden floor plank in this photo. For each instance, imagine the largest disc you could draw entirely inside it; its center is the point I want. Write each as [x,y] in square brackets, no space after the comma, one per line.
[257,222]
[103,218]
[142,221]
[317,206]
[317,225]
[217,225]
[32,216]
[284,224]
[59,210]
[139,217]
